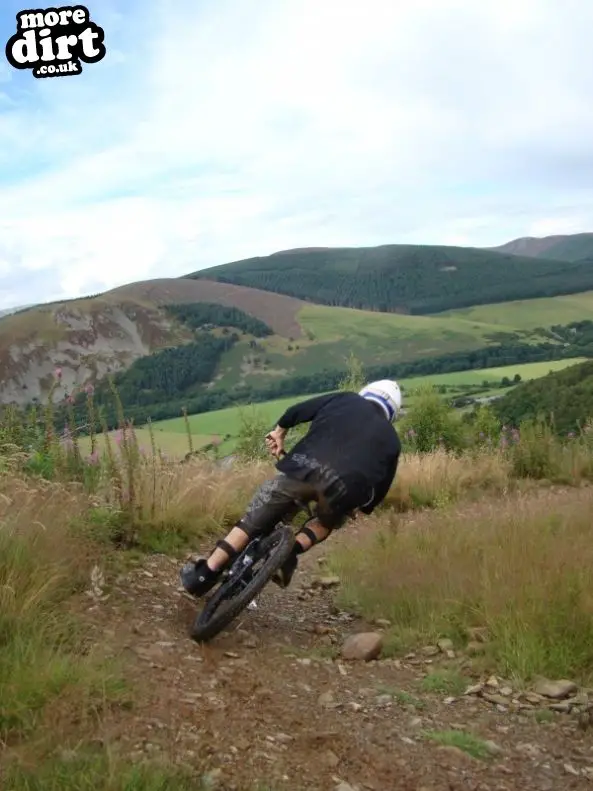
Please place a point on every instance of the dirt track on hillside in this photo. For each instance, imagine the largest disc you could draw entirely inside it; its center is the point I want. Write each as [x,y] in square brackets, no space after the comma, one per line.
[263,707]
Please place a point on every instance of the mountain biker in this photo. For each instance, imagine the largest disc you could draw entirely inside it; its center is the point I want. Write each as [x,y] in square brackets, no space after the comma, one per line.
[346,463]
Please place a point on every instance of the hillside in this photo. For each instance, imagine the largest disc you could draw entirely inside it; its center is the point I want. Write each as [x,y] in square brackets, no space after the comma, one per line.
[528,314]
[162,351]
[566,247]
[414,279]
[88,338]
[235,342]
[278,312]
[564,396]
[206,345]
[8,311]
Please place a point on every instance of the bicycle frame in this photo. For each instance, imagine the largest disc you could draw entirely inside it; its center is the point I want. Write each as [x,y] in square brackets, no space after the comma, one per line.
[240,567]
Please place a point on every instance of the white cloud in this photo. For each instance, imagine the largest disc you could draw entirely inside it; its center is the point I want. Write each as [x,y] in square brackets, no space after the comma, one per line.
[217,131]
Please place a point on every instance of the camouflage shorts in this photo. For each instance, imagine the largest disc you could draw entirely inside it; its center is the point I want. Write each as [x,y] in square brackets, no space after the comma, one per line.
[277,500]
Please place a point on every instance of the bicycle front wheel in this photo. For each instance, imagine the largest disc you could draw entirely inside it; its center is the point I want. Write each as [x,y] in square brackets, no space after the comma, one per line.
[231,598]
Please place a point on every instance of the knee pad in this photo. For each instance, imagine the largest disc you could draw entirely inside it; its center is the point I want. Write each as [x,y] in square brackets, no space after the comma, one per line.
[226,547]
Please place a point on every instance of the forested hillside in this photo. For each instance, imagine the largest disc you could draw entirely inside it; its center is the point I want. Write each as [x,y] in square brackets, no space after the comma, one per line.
[417,279]
[89,337]
[174,372]
[207,315]
[564,397]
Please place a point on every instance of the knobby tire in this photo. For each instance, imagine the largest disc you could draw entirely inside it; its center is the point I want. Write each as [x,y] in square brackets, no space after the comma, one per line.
[210,622]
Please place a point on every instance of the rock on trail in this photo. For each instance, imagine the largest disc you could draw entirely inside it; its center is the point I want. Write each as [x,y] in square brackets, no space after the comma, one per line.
[365,646]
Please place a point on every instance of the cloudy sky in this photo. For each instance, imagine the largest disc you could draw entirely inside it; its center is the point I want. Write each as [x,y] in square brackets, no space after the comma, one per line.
[220,129]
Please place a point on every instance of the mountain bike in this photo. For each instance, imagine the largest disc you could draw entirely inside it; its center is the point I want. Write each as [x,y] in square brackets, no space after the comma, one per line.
[246,577]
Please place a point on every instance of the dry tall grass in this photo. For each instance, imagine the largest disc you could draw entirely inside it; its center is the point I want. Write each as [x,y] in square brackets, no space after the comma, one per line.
[438,478]
[42,563]
[176,504]
[179,503]
[520,567]
[54,687]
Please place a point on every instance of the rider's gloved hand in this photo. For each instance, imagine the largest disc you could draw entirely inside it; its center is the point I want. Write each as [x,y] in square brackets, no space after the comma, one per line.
[275,441]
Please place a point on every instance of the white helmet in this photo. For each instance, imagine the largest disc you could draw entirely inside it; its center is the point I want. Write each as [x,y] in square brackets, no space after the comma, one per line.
[386,394]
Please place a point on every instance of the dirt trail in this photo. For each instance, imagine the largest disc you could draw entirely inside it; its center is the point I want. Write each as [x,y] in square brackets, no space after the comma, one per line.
[263,707]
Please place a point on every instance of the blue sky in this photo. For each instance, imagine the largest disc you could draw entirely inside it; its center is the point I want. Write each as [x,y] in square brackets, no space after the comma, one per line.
[219,130]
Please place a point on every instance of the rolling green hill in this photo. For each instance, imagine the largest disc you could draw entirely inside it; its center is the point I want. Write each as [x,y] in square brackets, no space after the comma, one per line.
[566,247]
[414,279]
[330,334]
[206,344]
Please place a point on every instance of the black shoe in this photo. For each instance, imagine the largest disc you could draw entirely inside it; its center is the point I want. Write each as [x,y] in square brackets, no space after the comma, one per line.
[285,573]
[197,578]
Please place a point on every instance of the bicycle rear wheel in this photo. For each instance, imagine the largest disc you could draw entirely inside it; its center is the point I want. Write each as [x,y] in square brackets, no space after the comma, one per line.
[235,594]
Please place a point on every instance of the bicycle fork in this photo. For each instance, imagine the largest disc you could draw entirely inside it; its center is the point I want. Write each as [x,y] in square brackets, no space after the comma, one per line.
[242,567]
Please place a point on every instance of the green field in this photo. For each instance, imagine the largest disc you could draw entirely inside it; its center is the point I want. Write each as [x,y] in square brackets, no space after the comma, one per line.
[477,377]
[171,435]
[528,314]
[173,443]
[224,424]
[226,421]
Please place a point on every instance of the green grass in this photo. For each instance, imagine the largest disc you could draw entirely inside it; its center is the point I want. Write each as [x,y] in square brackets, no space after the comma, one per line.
[444,682]
[528,314]
[98,772]
[543,716]
[402,697]
[467,742]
